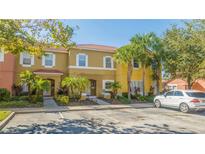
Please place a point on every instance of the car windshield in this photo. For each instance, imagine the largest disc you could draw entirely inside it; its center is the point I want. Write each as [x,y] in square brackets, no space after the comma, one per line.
[196,94]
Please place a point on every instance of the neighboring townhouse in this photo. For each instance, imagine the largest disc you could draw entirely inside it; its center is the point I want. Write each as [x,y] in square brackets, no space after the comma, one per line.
[182,84]
[92,61]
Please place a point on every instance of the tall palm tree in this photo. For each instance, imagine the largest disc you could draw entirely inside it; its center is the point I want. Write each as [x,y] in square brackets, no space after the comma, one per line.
[125,55]
[143,43]
[157,57]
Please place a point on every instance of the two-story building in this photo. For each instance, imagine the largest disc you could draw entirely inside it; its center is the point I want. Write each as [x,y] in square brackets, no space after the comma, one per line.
[92,61]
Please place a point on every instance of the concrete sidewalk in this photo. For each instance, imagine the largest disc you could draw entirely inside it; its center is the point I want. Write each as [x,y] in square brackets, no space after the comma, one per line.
[80,108]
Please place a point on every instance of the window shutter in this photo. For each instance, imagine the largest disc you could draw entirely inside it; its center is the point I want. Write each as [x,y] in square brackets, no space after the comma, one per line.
[54,60]
[21,58]
[43,60]
[32,59]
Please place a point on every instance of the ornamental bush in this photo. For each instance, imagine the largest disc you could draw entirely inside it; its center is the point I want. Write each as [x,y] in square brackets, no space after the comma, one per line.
[62,100]
[4,94]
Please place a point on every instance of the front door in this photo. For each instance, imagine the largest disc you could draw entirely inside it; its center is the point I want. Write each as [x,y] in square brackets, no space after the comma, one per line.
[51,90]
[93,87]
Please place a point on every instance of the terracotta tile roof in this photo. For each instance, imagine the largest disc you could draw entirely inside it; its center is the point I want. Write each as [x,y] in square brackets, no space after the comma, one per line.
[201,82]
[95,47]
[46,71]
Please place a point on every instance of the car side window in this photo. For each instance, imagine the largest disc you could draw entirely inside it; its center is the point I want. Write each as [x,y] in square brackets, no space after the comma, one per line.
[171,93]
[178,93]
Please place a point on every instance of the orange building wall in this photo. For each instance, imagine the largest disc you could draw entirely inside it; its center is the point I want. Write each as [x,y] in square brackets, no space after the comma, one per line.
[7,72]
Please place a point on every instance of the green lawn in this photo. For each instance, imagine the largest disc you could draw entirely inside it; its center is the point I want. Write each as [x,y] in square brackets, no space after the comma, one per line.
[19,104]
[4,114]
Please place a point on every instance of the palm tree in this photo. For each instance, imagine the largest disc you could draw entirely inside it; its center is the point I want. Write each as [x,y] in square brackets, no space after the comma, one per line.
[143,43]
[76,85]
[125,55]
[40,85]
[27,78]
[157,57]
[69,83]
[115,86]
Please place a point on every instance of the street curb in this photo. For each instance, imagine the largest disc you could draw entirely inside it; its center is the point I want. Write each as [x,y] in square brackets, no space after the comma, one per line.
[5,121]
[41,111]
[100,109]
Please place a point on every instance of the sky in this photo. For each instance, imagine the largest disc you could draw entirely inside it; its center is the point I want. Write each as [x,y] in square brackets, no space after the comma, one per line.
[115,32]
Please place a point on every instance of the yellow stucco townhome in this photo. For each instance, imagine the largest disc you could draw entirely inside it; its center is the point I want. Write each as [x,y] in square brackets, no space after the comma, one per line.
[92,61]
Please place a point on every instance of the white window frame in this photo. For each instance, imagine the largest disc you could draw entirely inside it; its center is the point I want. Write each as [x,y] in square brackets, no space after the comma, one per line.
[104,62]
[139,85]
[86,59]
[1,55]
[133,64]
[54,60]
[104,81]
[22,57]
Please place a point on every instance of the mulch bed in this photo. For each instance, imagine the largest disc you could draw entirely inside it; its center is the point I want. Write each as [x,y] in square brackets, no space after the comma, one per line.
[81,103]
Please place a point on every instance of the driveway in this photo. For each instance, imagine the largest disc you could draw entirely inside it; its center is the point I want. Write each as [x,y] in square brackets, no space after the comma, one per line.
[129,121]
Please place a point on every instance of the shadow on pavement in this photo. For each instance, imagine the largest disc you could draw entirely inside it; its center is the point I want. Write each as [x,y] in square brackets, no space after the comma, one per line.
[90,126]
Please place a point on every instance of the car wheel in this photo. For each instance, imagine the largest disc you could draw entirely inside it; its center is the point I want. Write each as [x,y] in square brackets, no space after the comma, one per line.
[184,108]
[157,104]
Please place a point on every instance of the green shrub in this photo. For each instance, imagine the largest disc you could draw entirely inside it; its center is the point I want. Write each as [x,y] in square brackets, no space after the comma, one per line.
[123,99]
[62,100]
[125,94]
[4,94]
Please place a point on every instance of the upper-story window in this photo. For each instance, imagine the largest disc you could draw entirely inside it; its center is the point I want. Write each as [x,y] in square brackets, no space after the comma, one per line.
[1,56]
[82,60]
[135,63]
[26,59]
[48,60]
[108,62]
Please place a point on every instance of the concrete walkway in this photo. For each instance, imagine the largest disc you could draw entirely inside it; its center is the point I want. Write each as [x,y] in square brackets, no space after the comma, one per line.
[49,103]
[99,101]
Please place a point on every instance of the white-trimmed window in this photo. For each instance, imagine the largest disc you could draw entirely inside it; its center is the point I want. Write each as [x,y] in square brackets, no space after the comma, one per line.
[1,56]
[107,85]
[107,62]
[135,63]
[48,60]
[82,60]
[136,86]
[26,59]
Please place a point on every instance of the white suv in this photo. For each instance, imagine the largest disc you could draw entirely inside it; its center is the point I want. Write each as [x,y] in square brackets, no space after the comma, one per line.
[184,100]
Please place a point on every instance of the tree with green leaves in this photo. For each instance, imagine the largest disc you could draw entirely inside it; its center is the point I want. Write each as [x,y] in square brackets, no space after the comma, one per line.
[143,42]
[75,86]
[34,36]
[34,83]
[27,78]
[185,51]
[125,55]
[40,85]
[115,86]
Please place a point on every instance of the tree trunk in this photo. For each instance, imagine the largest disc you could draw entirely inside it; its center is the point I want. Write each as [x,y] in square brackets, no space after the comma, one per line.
[143,80]
[29,92]
[158,80]
[129,74]
[189,82]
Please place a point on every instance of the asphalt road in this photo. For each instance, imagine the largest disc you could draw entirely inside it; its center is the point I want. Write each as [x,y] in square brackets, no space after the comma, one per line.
[118,121]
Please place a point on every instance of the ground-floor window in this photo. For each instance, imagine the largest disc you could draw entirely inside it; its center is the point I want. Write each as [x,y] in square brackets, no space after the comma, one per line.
[136,86]
[107,85]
